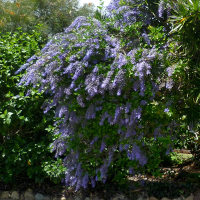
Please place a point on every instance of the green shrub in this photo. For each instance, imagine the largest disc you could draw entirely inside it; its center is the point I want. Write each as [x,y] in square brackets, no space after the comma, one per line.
[24,143]
[185,42]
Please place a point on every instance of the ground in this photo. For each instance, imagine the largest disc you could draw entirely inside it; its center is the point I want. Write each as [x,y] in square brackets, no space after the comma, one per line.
[182,178]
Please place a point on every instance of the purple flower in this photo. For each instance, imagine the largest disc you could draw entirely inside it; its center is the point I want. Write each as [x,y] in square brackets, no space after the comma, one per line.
[117,114]
[60,111]
[90,114]
[130,132]
[166,110]
[169,150]
[103,117]
[78,184]
[103,146]
[78,170]
[73,118]
[131,171]
[89,53]
[95,70]
[77,23]
[146,38]
[94,140]
[136,85]
[142,88]
[161,8]
[110,157]
[142,69]
[80,101]
[85,181]
[126,147]
[131,54]
[73,58]
[32,58]
[135,115]
[127,107]
[121,60]
[119,81]
[170,71]
[78,73]
[106,81]
[93,182]
[136,154]
[169,84]
[103,171]
[143,103]
[113,5]
[60,148]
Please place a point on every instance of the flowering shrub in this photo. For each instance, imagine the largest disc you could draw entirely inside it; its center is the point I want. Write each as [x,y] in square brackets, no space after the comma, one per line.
[104,81]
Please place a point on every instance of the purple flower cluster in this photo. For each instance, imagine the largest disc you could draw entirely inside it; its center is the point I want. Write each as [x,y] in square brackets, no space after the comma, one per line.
[127,12]
[126,15]
[161,8]
[164,7]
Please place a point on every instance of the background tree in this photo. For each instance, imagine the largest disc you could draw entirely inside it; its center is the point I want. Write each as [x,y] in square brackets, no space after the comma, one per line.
[54,15]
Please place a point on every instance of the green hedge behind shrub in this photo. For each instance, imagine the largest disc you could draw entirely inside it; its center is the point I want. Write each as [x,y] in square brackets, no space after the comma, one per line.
[24,142]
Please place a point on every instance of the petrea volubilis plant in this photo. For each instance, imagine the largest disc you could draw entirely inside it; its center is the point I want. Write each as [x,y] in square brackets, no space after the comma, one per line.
[102,82]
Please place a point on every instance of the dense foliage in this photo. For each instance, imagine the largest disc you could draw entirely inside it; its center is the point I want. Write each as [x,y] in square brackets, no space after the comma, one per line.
[24,143]
[185,64]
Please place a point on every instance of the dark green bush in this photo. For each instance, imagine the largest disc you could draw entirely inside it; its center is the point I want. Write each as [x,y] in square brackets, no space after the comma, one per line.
[24,142]
[185,62]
